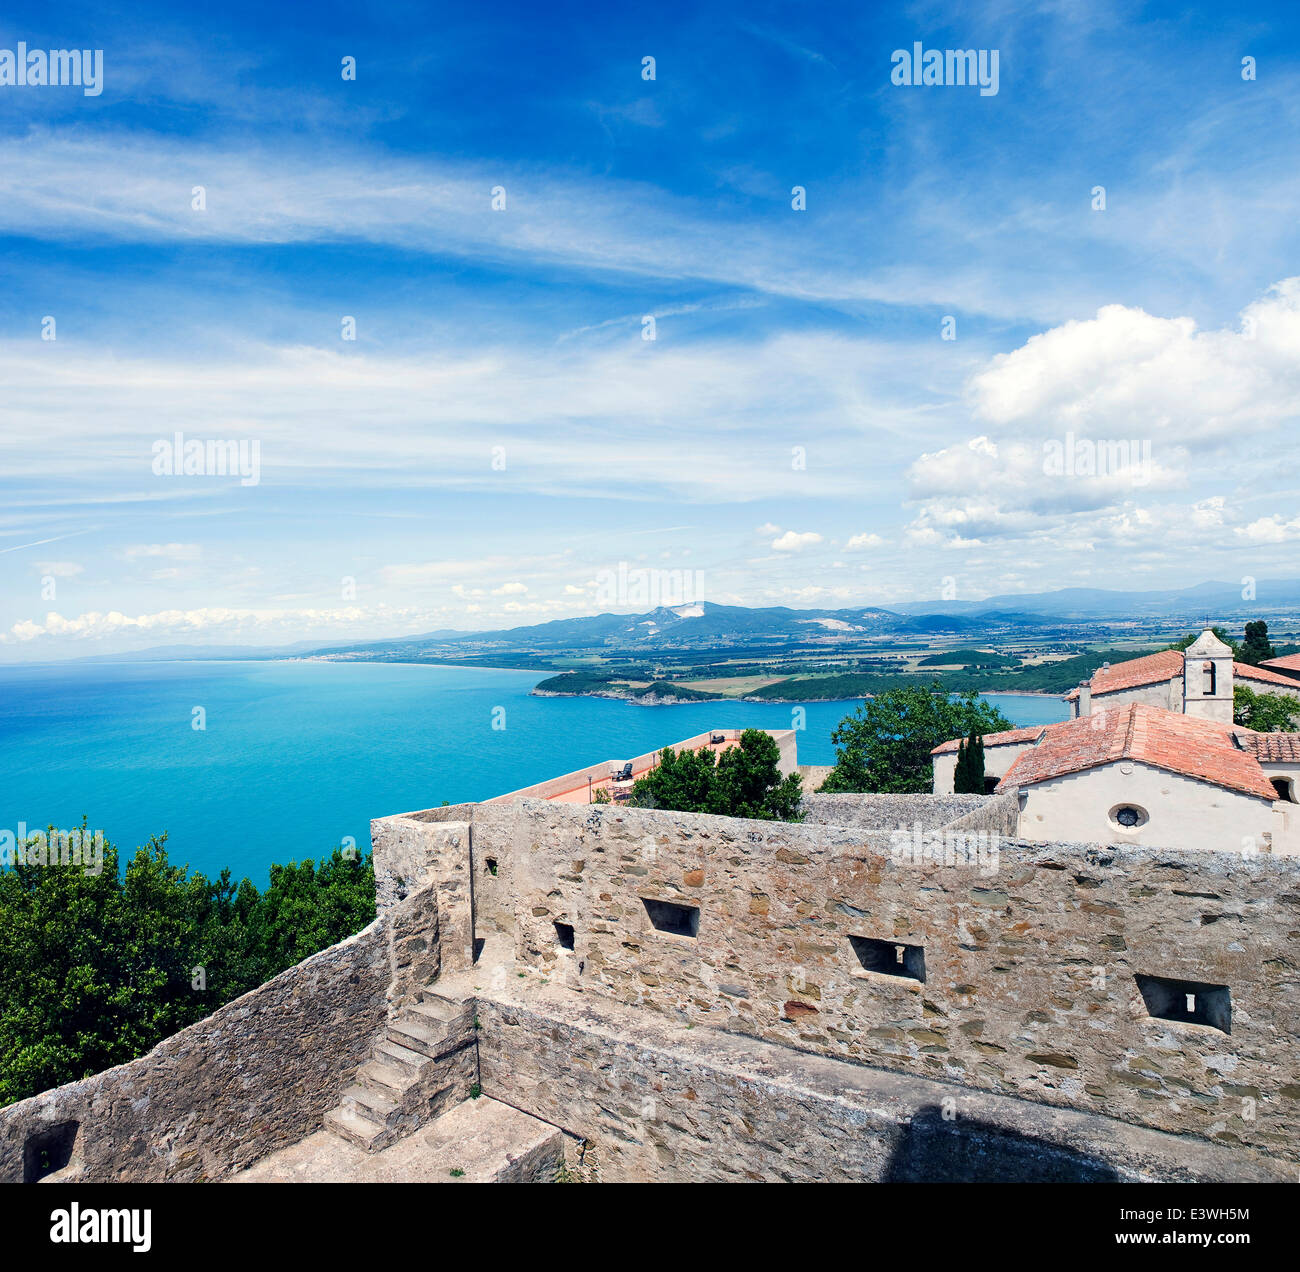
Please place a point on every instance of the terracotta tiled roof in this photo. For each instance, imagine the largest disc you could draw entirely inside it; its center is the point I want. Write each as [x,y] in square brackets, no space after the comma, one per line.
[1150,670]
[1244,671]
[1028,734]
[1288,662]
[1166,665]
[1272,748]
[1166,740]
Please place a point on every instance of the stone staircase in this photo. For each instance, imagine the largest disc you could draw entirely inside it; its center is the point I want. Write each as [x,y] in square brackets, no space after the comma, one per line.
[425,1063]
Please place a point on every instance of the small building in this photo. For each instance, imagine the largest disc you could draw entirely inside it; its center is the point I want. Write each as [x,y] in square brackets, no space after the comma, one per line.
[1140,774]
[1151,756]
[1197,682]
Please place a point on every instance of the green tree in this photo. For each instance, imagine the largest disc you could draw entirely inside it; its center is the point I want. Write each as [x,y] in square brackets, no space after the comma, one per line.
[306,909]
[1265,712]
[748,781]
[744,781]
[95,969]
[968,778]
[682,780]
[885,745]
[1256,648]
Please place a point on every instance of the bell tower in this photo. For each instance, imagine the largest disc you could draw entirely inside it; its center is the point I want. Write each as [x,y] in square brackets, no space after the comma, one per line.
[1207,678]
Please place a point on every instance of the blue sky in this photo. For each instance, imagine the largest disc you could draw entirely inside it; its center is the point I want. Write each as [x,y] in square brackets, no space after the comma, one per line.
[799,432]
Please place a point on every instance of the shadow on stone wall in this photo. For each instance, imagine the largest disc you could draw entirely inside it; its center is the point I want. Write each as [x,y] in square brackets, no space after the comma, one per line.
[932,1150]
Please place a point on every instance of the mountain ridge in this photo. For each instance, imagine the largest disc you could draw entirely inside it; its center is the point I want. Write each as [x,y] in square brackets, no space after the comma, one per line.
[706,624]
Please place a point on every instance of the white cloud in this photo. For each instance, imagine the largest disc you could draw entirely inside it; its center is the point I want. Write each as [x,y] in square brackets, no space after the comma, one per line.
[1273,529]
[861,542]
[1126,373]
[207,622]
[126,191]
[1098,423]
[88,423]
[795,541]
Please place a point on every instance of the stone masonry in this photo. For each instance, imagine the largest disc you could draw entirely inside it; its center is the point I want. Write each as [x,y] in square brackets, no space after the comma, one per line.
[1030,983]
[892,990]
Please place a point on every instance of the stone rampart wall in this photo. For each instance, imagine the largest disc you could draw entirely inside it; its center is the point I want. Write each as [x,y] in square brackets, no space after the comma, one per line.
[663,1103]
[1030,961]
[255,1076]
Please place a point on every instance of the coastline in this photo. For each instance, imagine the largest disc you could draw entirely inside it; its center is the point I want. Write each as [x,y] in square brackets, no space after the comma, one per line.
[656,700]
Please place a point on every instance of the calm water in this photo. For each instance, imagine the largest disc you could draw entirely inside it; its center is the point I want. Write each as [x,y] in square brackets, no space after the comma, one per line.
[295,757]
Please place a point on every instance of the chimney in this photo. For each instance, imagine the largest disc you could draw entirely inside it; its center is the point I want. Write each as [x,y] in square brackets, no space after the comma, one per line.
[1085,697]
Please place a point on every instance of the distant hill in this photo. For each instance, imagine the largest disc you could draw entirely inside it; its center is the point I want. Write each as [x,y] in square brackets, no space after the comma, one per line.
[699,626]
[708,626]
[1215,599]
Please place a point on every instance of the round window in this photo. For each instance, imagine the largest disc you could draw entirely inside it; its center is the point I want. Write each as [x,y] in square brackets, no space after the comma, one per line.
[1128,816]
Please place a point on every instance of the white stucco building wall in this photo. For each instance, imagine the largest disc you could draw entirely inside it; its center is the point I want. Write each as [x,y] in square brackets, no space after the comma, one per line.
[1180,812]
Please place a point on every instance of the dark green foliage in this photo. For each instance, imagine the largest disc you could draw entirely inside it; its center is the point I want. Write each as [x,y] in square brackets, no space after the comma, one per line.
[682,780]
[614,683]
[807,684]
[95,969]
[885,745]
[667,689]
[577,682]
[976,659]
[744,781]
[1256,648]
[1265,712]
[968,778]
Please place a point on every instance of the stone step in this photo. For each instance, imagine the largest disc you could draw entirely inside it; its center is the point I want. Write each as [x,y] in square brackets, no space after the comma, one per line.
[421,1034]
[349,1125]
[477,1141]
[386,1080]
[369,1103]
[452,1007]
[437,1011]
[399,1056]
[486,1142]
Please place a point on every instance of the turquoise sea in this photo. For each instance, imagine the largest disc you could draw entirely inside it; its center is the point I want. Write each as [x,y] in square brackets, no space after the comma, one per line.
[297,756]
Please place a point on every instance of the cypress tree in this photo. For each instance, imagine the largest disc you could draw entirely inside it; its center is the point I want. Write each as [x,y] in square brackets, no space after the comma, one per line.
[968,777]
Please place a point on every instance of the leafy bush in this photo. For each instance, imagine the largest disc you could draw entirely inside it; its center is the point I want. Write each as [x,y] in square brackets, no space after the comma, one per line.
[743,781]
[1264,712]
[96,969]
[885,745]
